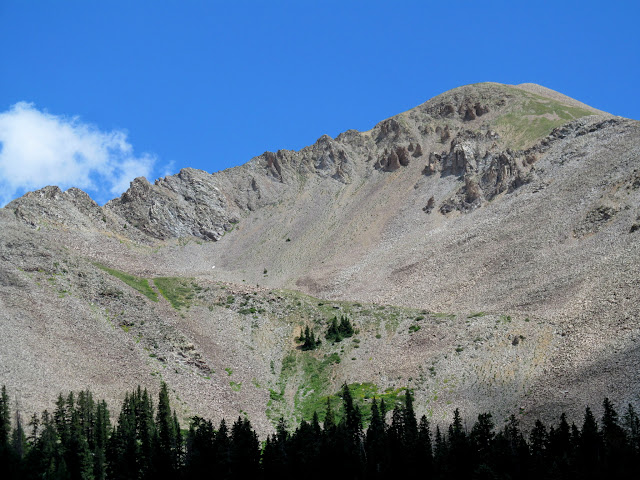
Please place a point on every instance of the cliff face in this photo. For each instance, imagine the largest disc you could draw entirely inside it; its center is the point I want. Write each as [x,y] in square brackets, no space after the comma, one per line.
[490,212]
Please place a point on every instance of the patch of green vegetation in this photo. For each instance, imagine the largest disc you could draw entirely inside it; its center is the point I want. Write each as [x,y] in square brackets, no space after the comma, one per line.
[363,395]
[339,331]
[235,386]
[137,283]
[178,291]
[229,371]
[477,314]
[414,328]
[537,118]
[247,311]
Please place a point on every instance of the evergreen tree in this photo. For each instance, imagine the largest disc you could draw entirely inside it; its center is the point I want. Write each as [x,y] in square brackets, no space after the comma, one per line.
[349,436]
[346,328]
[200,450]
[336,332]
[410,421]
[458,448]
[376,444]
[244,451]
[398,455]
[45,459]
[333,332]
[62,419]
[424,449]
[222,452]
[78,455]
[280,454]
[352,418]
[271,460]
[100,438]
[18,437]
[590,447]
[167,451]
[315,424]
[632,426]
[560,446]
[481,437]
[441,452]
[538,444]
[309,340]
[131,448]
[304,448]
[616,447]
[329,418]
[5,422]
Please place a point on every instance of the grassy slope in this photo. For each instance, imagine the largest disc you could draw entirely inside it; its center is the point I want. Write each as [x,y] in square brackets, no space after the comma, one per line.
[534,118]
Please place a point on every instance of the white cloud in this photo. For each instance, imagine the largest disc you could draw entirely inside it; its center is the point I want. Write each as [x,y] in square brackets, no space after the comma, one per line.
[39,149]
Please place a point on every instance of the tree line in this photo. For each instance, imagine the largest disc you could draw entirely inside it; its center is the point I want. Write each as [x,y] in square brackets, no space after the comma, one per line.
[78,441]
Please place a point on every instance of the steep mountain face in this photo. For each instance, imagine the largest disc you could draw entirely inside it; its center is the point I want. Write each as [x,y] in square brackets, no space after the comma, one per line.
[485,244]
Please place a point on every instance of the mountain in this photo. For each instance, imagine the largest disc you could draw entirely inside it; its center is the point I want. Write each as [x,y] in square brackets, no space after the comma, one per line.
[485,244]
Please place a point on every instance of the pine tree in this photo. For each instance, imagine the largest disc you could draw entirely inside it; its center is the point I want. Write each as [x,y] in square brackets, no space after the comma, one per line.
[101,436]
[304,448]
[481,437]
[46,457]
[62,419]
[199,447]
[560,445]
[329,419]
[458,448]
[166,458]
[410,435]
[632,426]
[441,452]
[78,455]
[245,450]
[345,328]
[309,340]
[425,449]
[352,417]
[589,446]
[222,451]
[410,423]
[5,421]
[518,450]
[616,446]
[350,435]
[398,455]
[376,443]
[538,443]
[333,332]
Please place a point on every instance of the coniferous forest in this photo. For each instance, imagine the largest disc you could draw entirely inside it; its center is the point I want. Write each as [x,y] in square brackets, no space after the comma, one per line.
[78,441]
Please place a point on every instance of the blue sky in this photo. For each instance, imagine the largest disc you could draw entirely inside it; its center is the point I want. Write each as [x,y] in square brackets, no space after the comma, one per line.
[95,93]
